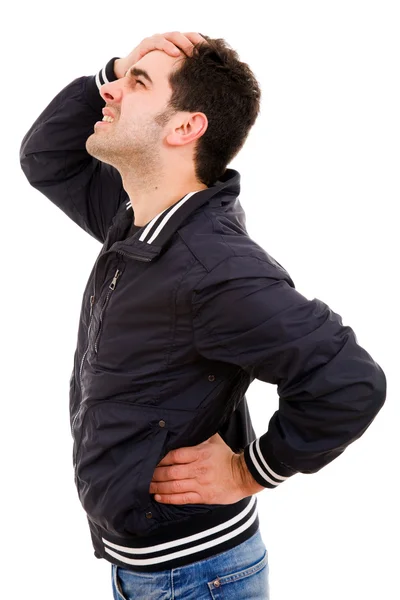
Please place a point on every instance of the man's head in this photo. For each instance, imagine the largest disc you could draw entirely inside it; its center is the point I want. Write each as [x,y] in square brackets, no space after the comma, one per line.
[193,116]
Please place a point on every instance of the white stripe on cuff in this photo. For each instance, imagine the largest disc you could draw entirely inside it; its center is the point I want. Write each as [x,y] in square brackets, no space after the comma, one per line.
[97,80]
[265,474]
[104,76]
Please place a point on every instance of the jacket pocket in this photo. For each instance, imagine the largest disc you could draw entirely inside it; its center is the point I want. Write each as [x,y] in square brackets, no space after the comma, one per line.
[76,426]
[118,441]
[110,290]
[147,515]
[118,446]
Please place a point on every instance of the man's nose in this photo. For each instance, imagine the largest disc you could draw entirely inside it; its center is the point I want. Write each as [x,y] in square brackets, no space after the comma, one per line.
[111,90]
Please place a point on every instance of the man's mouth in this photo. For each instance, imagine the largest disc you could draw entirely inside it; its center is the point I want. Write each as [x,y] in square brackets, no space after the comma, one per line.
[103,123]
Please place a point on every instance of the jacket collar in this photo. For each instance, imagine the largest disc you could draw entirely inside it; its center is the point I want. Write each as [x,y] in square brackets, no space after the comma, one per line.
[147,243]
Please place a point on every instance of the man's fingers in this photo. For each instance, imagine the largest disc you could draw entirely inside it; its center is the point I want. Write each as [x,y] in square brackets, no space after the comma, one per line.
[189,498]
[184,42]
[182,455]
[178,486]
[159,42]
[194,37]
[180,41]
[171,42]
[169,48]
[171,472]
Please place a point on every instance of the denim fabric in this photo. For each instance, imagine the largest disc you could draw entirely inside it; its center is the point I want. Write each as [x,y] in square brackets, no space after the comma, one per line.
[241,573]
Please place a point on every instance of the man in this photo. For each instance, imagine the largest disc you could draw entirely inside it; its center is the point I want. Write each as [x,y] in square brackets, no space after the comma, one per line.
[181,312]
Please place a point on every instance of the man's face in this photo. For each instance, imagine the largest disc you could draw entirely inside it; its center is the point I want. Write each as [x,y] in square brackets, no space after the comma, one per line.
[138,106]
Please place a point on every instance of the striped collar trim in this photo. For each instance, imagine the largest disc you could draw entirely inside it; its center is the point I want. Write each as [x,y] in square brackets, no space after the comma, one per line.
[147,243]
[154,228]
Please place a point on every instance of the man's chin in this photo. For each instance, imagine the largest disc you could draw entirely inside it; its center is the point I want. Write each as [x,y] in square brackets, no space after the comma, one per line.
[93,147]
[98,151]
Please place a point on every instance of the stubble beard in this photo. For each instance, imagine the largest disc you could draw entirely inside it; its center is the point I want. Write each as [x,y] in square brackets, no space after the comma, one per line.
[140,155]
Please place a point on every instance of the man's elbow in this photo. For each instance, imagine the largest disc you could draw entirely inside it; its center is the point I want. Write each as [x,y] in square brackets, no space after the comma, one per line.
[379,389]
[370,402]
[367,401]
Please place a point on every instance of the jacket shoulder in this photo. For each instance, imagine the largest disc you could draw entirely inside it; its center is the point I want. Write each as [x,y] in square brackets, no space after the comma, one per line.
[219,239]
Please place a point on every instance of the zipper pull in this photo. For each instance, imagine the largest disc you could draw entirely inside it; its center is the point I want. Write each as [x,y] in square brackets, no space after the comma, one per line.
[114,281]
[91,304]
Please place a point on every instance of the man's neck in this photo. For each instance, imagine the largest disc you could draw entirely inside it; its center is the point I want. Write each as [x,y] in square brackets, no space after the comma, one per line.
[151,199]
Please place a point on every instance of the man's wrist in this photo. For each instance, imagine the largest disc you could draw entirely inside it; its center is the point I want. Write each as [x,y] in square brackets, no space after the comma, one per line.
[247,483]
[119,68]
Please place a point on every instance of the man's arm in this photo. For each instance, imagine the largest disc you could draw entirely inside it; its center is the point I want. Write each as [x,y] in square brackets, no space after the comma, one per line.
[54,159]
[53,152]
[247,312]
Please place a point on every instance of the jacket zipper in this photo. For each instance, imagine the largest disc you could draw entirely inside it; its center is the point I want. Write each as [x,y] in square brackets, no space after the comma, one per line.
[81,365]
[87,348]
[111,289]
[92,299]
[134,256]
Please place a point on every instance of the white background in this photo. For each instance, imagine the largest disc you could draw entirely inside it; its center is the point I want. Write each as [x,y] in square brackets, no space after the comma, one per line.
[320,187]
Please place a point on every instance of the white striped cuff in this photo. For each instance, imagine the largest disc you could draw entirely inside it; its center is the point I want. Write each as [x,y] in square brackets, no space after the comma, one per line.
[106,74]
[94,83]
[266,470]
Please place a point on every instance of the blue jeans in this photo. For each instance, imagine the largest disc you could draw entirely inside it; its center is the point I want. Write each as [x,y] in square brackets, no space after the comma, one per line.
[241,573]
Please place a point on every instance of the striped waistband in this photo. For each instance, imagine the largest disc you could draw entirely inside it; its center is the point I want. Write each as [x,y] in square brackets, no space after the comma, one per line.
[193,540]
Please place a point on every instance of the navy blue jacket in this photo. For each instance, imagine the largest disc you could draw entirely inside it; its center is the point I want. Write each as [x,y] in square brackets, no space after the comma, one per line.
[177,320]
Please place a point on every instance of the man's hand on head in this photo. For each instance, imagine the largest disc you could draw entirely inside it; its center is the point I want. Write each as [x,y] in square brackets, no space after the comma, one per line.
[172,42]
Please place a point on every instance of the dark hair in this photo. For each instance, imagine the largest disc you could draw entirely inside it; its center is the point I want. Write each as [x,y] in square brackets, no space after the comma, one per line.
[214,81]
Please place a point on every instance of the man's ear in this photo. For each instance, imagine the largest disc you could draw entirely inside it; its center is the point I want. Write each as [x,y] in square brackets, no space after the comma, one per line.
[188,128]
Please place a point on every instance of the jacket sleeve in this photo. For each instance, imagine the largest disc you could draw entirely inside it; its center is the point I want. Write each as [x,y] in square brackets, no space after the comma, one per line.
[54,159]
[247,311]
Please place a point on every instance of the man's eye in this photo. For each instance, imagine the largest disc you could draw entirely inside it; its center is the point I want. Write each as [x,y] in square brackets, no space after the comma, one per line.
[141,82]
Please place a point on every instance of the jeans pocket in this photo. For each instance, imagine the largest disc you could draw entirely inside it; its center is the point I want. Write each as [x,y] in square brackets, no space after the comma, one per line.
[251,583]
[116,584]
